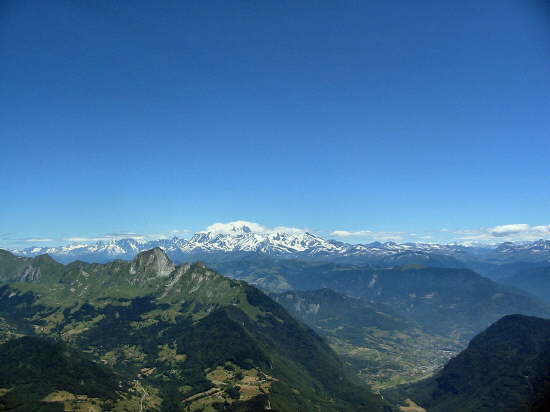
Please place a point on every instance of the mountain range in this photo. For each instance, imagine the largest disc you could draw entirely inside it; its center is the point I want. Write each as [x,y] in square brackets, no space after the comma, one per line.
[241,239]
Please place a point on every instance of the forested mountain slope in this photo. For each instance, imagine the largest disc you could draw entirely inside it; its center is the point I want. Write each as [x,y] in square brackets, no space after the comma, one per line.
[505,368]
[191,338]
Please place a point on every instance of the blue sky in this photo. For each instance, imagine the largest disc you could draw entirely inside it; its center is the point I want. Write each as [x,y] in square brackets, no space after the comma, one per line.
[362,117]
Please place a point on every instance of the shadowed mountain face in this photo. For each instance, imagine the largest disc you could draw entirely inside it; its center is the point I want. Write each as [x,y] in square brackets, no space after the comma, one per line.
[457,303]
[41,375]
[535,281]
[184,336]
[504,368]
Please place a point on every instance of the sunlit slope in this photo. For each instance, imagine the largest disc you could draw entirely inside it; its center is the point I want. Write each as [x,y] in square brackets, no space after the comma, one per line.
[187,335]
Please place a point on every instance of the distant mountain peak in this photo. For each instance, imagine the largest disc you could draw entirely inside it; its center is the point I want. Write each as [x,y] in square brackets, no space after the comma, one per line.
[44,258]
[238,226]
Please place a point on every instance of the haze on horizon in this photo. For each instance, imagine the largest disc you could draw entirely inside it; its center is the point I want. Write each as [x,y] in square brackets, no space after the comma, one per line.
[360,123]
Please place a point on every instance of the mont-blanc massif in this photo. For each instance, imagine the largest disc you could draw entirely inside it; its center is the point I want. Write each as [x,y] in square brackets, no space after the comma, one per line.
[282,206]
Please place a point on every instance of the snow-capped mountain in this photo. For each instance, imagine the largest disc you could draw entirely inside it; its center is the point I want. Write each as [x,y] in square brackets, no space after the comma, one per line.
[112,249]
[240,238]
[539,246]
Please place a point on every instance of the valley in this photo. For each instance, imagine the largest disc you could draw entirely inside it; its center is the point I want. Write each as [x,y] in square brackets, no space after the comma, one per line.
[504,368]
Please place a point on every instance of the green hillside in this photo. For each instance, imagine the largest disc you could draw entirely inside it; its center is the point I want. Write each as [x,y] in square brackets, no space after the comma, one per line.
[188,337]
[41,375]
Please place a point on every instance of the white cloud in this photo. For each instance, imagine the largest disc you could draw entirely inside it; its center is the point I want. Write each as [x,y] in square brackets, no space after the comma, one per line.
[238,225]
[230,227]
[423,237]
[87,239]
[110,236]
[157,236]
[382,236]
[508,232]
[287,229]
[347,233]
[40,239]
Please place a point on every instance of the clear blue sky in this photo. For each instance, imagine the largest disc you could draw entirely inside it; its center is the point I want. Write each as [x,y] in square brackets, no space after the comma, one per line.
[388,116]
